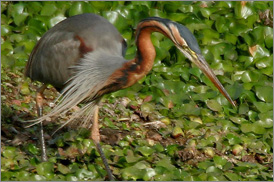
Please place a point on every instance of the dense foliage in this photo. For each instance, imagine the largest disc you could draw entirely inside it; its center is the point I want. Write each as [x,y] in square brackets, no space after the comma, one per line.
[171,125]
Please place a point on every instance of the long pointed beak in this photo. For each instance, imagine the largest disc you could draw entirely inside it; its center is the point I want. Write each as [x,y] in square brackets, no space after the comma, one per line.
[203,65]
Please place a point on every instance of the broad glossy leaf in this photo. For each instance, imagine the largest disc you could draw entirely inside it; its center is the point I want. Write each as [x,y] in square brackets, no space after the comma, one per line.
[243,9]
[9,152]
[233,139]
[44,168]
[219,161]
[263,107]
[264,93]
[145,150]
[250,76]
[232,176]
[265,62]
[63,169]
[116,19]
[221,24]
[84,174]
[257,51]
[266,119]
[254,127]
[214,105]
[48,9]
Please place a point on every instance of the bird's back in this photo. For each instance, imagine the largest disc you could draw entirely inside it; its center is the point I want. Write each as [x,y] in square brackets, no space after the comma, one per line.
[63,46]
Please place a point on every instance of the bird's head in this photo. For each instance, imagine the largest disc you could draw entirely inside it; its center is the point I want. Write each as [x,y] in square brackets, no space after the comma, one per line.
[185,41]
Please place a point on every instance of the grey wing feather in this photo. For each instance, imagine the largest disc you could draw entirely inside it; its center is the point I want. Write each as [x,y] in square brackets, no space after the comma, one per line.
[50,63]
[58,49]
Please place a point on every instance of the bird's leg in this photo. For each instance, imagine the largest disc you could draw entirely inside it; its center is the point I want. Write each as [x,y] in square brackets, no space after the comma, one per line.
[39,106]
[95,135]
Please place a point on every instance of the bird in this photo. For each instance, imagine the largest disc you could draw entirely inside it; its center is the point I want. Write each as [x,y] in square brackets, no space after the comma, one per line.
[83,58]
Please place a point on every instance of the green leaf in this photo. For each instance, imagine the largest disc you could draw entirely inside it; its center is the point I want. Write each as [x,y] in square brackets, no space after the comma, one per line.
[209,35]
[205,164]
[145,150]
[265,62]
[243,108]
[266,119]
[80,8]
[9,152]
[258,51]
[48,9]
[263,107]
[116,19]
[45,168]
[84,174]
[254,127]
[212,169]
[243,9]
[63,169]
[219,161]
[264,93]
[32,149]
[214,105]
[232,139]
[232,176]
[221,24]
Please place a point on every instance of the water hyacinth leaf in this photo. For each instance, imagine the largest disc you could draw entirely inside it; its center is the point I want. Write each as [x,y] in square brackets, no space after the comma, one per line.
[48,9]
[84,174]
[266,119]
[264,93]
[269,41]
[231,55]
[231,38]
[221,24]
[145,150]
[177,131]
[131,158]
[53,21]
[44,168]
[243,9]
[33,149]
[250,76]
[238,28]
[209,35]
[9,152]
[236,39]
[265,62]
[149,173]
[213,170]
[234,90]
[166,163]
[232,176]
[20,18]
[237,120]
[254,127]
[214,105]
[116,19]
[5,30]
[257,51]
[19,13]
[135,172]
[243,108]
[63,169]
[190,109]
[232,139]
[219,161]
[205,164]
[263,107]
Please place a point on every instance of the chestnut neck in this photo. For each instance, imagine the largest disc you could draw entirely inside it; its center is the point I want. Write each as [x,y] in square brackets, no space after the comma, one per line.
[143,62]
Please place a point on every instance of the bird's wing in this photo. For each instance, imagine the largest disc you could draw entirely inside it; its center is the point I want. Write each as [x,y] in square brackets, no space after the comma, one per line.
[49,61]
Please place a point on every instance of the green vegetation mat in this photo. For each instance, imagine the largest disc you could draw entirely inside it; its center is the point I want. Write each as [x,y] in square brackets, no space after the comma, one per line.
[171,125]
